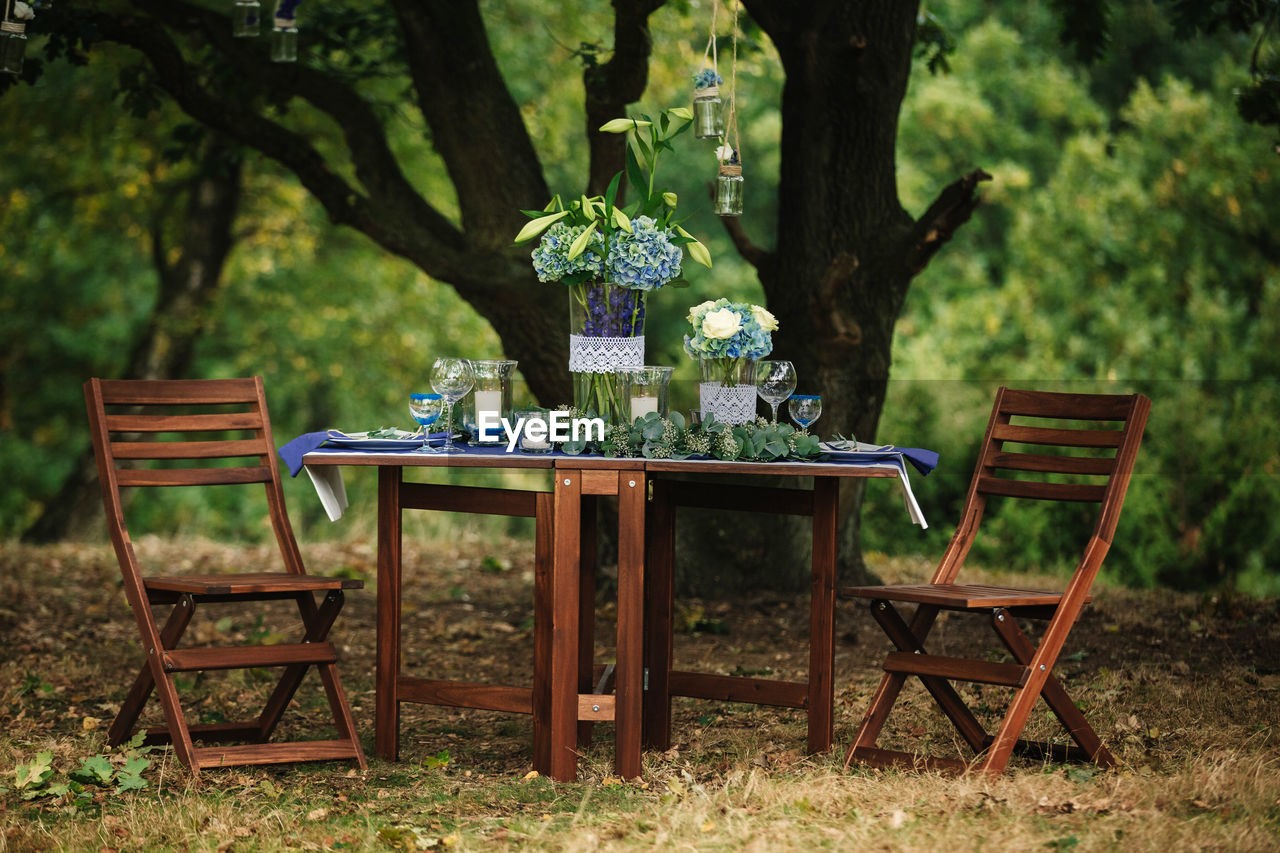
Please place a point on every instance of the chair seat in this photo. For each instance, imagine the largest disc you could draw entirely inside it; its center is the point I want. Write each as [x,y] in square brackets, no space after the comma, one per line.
[248,583]
[957,596]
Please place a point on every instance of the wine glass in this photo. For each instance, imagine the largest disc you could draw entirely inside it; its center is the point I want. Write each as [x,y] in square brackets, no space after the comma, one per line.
[775,380]
[804,409]
[451,378]
[425,409]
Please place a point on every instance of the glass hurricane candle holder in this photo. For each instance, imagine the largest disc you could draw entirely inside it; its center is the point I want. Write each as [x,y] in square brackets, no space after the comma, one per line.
[537,439]
[646,390]
[492,395]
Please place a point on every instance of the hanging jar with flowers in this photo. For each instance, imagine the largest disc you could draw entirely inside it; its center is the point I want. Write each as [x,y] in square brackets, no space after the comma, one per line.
[727,338]
[611,257]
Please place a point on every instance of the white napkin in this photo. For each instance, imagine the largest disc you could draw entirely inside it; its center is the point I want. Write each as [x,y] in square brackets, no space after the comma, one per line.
[332,492]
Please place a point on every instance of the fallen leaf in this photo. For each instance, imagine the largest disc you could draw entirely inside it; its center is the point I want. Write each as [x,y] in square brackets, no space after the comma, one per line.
[708,826]
[317,814]
[88,724]
[531,775]
[897,819]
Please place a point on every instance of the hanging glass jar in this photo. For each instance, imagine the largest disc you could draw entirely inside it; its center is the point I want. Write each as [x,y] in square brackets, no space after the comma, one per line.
[729,190]
[245,19]
[606,336]
[13,46]
[708,113]
[284,40]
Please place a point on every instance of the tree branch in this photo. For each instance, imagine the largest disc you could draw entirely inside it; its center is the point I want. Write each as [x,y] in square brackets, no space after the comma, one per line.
[615,84]
[952,208]
[431,241]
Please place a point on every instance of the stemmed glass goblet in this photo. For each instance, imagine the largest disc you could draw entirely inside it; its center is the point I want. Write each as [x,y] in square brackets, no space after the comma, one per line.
[425,410]
[804,409]
[775,380]
[451,378]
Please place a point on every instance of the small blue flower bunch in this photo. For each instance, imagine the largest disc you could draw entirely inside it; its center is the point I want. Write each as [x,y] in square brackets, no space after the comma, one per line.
[552,261]
[706,78]
[645,259]
[613,312]
[729,330]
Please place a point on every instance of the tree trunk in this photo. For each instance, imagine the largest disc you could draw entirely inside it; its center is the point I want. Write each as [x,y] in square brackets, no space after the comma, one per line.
[846,253]
[165,348]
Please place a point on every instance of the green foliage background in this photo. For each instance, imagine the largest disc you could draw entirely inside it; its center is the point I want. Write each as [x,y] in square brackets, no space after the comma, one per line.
[1125,244]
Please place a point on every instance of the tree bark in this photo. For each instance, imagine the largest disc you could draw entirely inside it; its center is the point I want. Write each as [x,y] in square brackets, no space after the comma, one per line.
[165,348]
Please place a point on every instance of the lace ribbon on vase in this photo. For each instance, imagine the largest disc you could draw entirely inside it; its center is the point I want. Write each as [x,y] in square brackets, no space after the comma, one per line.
[729,404]
[605,355]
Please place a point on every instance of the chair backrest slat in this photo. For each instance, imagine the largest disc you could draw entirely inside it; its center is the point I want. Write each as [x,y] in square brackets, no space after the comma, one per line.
[189,449]
[220,422]
[1058,437]
[1040,490]
[1052,464]
[176,392]
[1077,407]
[193,476]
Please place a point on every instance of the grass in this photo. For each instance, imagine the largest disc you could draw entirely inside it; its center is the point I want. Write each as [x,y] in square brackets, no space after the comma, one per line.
[1184,689]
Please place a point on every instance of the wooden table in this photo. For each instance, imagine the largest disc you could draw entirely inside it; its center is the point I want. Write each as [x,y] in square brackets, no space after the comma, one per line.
[563,694]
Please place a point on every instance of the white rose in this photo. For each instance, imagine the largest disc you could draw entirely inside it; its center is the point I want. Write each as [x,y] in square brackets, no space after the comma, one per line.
[721,324]
[724,153]
[767,321]
[698,310]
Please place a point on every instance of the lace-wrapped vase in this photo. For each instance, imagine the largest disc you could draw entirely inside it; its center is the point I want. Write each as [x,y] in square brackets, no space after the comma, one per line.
[606,336]
[728,389]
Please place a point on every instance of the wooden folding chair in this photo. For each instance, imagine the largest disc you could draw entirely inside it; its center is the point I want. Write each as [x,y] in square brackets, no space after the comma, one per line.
[186,428]
[1110,456]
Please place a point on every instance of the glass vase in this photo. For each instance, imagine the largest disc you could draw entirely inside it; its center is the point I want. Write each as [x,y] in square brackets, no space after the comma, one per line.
[708,113]
[492,395]
[606,336]
[727,391]
[647,390]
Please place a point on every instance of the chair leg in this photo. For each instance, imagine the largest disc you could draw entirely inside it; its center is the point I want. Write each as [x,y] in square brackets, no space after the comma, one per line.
[942,691]
[1054,694]
[127,717]
[890,685]
[318,622]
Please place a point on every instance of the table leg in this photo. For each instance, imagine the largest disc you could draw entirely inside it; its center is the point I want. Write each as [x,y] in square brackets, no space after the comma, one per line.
[630,671]
[822,607]
[387,671]
[563,728]
[587,609]
[659,594]
[543,598]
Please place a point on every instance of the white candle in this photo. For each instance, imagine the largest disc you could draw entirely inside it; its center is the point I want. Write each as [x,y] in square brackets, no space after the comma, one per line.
[488,401]
[642,405]
[536,434]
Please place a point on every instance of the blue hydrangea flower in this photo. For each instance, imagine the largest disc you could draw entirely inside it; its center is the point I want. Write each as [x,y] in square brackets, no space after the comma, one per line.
[706,78]
[551,259]
[751,340]
[645,259]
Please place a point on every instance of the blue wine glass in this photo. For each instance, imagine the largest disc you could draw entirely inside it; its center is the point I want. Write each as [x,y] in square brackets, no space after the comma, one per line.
[425,409]
[804,409]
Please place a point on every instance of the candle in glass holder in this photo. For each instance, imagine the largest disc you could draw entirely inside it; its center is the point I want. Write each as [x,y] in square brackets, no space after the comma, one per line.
[488,401]
[643,404]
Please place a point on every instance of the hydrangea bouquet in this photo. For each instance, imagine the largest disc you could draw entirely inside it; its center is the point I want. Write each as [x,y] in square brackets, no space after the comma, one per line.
[611,256]
[727,338]
[728,335]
